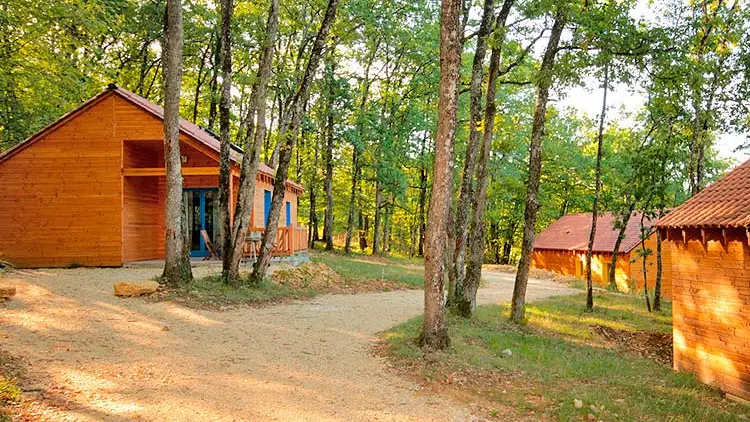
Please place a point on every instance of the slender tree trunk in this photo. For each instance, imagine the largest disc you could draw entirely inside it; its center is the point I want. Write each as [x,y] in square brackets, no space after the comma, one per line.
[434,331]
[214,85]
[422,226]
[659,273]
[254,137]
[376,223]
[352,201]
[518,306]
[618,243]
[313,216]
[457,267]
[466,291]
[288,135]
[224,160]
[176,255]
[329,162]
[597,190]
[355,155]
[644,261]
[363,229]
[201,78]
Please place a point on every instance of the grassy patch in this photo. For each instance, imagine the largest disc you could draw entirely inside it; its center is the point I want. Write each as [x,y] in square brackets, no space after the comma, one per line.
[366,267]
[558,359]
[10,392]
[212,293]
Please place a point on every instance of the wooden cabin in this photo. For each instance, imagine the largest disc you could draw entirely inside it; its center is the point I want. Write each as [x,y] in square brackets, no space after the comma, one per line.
[562,247]
[708,237]
[89,188]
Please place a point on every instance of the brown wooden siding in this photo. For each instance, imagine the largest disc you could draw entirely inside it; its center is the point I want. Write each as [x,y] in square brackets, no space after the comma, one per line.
[65,201]
[711,307]
[61,197]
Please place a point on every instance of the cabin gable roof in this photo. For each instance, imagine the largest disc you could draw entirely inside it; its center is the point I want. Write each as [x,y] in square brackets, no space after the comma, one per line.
[571,233]
[187,128]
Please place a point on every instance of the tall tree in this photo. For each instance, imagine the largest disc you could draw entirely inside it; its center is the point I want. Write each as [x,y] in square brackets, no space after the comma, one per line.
[328,238]
[546,76]
[225,102]
[457,269]
[434,331]
[176,257]
[288,137]
[254,137]
[597,191]
[465,303]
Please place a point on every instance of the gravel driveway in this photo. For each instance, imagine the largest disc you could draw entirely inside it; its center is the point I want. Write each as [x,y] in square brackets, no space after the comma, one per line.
[97,357]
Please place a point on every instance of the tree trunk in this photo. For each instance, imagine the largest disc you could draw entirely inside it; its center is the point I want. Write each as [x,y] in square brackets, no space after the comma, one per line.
[618,243]
[644,261]
[355,156]
[386,228]
[376,223]
[466,291]
[254,137]
[434,331]
[176,257]
[457,267]
[597,190]
[313,216]
[329,163]
[422,198]
[659,269]
[224,160]
[288,135]
[518,306]
[214,85]
[352,201]
[363,229]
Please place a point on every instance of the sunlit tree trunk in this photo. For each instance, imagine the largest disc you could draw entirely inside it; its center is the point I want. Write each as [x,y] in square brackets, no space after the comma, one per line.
[176,255]
[597,190]
[518,305]
[224,160]
[434,331]
[288,138]
[457,266]
[254,137]
[466,300]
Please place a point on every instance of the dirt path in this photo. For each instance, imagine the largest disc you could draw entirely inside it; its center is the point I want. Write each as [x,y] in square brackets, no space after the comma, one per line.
[102,358]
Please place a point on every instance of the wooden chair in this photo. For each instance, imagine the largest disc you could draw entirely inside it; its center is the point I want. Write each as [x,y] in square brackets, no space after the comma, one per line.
[214,251]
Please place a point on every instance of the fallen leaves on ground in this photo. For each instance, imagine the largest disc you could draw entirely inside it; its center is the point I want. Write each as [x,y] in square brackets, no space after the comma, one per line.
[647,344]
[321,278]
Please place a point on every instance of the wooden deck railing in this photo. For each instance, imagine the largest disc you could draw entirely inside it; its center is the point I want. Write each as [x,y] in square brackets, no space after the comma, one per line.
[288,239]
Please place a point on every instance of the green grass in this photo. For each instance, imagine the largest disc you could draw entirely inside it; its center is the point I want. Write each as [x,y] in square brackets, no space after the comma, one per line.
[211,291]
[557,358]
[9,393]
[409,271]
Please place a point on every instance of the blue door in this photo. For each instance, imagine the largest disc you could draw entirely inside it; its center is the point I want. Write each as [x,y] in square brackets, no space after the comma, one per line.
[266,206]
[288,214]
[201,208]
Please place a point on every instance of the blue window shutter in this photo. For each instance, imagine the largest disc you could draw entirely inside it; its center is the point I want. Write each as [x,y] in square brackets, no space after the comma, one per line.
[288,214]
[266,206]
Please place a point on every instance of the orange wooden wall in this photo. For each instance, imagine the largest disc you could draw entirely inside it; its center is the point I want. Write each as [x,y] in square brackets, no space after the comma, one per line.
[627,274]
[60,199]
[711,307]
[64,201]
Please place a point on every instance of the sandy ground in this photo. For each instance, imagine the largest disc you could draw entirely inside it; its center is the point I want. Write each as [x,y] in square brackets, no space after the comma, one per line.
[98,357]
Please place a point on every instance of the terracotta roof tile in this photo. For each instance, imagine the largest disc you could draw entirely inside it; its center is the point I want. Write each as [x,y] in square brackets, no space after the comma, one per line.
[571,233]
[725,203]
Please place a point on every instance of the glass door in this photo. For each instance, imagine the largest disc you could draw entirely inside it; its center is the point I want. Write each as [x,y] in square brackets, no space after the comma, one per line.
[201,206]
